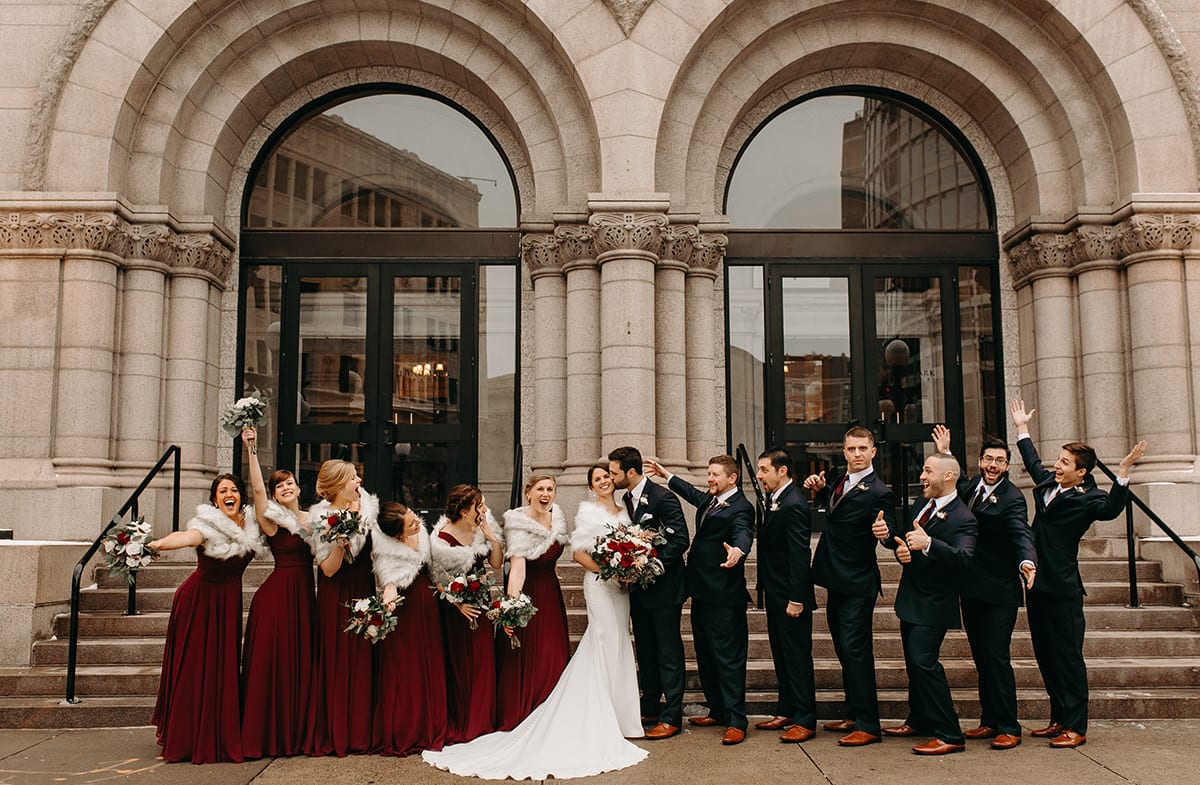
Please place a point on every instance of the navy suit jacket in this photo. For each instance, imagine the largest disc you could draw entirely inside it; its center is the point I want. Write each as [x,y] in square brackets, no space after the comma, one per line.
[928,593]
[784,554]
[731,523]
[846,560]
[1057,529]
[1005,540]
[659,509]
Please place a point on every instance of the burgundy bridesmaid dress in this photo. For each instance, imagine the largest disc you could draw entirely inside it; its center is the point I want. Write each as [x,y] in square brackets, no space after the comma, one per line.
[410,677]
[340,710]
[197,713]
[470,669]
[527,675]
[277,673]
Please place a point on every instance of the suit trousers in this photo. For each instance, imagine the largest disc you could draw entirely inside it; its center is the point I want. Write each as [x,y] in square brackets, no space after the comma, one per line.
[930,707]
[721,638]
[659,643]
[850,620]
[989,630]
[791,649]
[1056,626]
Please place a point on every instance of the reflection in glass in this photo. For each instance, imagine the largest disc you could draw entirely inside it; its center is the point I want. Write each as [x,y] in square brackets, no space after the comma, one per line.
[816,350]
[899,465]
[908,331]
[384,161]
[497,376]
[262,298]
[310,456]
[420,476]
[980,396]
[747,353]
[333,323]
[853,162]
[426,350]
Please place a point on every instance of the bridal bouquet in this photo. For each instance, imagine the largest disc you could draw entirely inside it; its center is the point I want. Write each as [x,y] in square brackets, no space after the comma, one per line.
[370,618]
[247,412]
[473,588]
[628,554]
[512,612]
[127,549]
[340,526]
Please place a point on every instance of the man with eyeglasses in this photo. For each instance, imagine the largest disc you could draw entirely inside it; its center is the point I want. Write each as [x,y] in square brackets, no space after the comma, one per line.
[991,585]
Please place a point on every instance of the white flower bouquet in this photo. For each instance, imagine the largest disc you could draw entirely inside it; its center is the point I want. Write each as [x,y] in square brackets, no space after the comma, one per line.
[511,612]
[127,549]
[627,553]
[248,412]
[370,618]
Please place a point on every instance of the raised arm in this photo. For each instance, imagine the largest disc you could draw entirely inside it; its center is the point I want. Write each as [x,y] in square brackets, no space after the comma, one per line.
[257,484]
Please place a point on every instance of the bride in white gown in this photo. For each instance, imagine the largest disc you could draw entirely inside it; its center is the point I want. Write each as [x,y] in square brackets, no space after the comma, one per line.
[582,728]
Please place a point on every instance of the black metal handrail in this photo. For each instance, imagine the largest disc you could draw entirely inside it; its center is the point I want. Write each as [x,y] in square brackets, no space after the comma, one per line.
[514,499]
[749,472]
[130,506]
[1134,499]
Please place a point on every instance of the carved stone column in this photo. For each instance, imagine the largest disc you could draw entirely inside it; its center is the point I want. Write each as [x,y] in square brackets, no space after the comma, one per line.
[1043,264]
[540,254]
[1158,333]
[702,426]
[583,329]
[627,236]
[1102,340]
[670,351]
[139,385]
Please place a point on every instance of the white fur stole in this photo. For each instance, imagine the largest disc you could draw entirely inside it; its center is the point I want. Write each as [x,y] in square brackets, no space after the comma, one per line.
[283,518]
[527,538]
[368,508]
[224,539]
[593,521]
[394,561]
[447,561]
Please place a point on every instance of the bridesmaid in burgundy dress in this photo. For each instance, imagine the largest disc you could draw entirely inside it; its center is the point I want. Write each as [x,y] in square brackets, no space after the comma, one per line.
[465,540]
[534,538]
[197,713]
[277,669]
[340,709]
[410,676]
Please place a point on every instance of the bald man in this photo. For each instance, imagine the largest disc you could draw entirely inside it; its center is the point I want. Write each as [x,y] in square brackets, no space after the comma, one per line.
[934,549]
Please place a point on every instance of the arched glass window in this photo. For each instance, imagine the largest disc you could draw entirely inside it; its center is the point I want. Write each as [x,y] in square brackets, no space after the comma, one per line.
[855,162]
[387,161]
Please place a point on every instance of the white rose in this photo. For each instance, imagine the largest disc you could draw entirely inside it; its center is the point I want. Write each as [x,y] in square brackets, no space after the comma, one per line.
[109,545]
[362,606]
[133,548]
[132,561]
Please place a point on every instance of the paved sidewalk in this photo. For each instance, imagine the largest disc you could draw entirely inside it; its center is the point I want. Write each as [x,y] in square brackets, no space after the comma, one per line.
[1158,752]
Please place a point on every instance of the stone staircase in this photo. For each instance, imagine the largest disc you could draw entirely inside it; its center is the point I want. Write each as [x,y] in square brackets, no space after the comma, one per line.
[1142,663]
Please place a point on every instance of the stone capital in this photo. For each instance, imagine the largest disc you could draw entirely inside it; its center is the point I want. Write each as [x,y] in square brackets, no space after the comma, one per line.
[200,252]
[539,252]
[1097,243]
[575,246]
[1043,254]
[678,244]
[1157,232]
[78,230]
[709,255]
[627,231]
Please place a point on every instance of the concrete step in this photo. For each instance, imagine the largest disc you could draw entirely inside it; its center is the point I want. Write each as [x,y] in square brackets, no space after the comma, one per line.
[46,712]
[90,680]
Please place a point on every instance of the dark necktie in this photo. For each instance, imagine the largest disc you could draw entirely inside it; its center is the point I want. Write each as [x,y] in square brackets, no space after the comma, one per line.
[1053,495]
[840,490]
[629,503]
[925,516]
[978,499]
[704,513]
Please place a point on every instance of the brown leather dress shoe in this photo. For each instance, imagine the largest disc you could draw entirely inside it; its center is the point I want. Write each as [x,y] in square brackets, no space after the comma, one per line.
[775,723]
[1068,740]
[702,722]
[938,747]
[900,730]
[1005,741]
[982,732]
[733,736]
[859,738]
[662,731]
[839,726]
[797,734]
[1048,732]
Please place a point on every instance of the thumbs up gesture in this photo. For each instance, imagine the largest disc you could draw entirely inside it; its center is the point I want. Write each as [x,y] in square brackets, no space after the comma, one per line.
[903,554]
[814,482]
[917,539]
[880,528]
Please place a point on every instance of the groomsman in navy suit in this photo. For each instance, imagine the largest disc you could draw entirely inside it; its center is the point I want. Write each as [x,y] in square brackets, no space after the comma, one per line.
[784,574]
[933,550]
[991,585]
[1067,503]
[716,581]
[656,611]
[845,563]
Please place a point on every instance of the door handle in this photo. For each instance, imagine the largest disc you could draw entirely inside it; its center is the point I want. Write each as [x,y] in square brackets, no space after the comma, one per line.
[362,433]
[389,434]
[880,429]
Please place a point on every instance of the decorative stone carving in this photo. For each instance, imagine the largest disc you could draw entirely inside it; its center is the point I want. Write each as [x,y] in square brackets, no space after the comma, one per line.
[710,252]
[200,252]
[540,254]
[627,12]
[147,241]
[93,231]
[679,242]
[1097,243]
[1141,233]
[574,243]
[627,231]
[1042,252]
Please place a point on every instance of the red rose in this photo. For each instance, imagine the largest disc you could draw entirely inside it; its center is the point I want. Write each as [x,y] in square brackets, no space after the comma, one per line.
[376,620]
[122,537]
[474,585]
[654,553]
[332,519]
[627,560]
[456,587]
[496,603]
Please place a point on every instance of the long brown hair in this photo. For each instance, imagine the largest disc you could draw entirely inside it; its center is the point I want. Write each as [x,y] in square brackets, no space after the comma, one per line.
[461,499]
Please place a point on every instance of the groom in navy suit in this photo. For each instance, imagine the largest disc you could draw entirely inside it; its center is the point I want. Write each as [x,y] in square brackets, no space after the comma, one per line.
[656,611]
[716,580]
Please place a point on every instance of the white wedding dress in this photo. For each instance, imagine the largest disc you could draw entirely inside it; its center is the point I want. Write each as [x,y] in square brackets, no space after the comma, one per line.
[581,728]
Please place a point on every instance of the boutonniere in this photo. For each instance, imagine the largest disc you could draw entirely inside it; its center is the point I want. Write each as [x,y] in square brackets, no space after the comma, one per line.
[643,501]
[647,516]
[862,486]
[992,499]
[774,506]
[941,516]
[720,505]
[1080,489]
